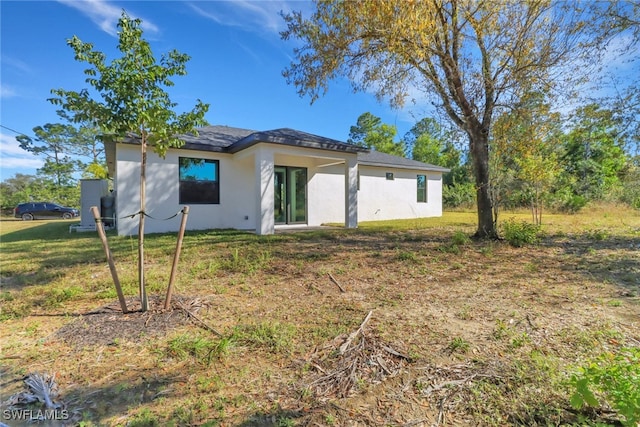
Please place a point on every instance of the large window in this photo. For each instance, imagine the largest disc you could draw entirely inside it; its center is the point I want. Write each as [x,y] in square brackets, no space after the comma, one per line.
[422,188]
[199,181]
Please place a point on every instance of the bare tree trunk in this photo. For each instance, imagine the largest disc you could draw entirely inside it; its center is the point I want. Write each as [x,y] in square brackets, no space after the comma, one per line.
[480,155]
[144,301]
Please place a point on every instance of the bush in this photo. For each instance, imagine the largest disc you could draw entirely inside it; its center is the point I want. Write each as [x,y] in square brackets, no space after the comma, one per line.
[458,195]
[521,233]
[615,377]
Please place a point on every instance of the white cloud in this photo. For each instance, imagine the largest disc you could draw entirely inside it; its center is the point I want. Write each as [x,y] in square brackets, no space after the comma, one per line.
[14,157]
[7,91]
[248,15]
[105,15]
[17,64]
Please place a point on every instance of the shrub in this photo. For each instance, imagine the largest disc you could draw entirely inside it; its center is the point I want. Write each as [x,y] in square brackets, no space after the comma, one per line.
[460,238]
[521,233]
[568,202]
[458,195]
[615,377]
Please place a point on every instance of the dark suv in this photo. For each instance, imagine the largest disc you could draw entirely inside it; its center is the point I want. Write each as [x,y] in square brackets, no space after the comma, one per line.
[29,211]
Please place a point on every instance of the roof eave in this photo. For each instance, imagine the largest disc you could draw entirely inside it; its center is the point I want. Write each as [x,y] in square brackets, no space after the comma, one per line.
[408,167]
[259,137]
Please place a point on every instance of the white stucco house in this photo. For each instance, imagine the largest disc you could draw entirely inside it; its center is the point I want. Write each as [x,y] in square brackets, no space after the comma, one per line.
[263,180]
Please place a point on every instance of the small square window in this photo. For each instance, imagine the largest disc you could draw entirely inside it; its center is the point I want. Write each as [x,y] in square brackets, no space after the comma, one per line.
[389,176]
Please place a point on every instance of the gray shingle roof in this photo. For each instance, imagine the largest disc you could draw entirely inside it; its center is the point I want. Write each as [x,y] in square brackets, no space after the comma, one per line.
[215,138]
[228,139]
[376,158]
[232,140]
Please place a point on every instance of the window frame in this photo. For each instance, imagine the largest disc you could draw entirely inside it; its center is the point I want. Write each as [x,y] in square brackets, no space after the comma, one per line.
[422,191]
[207,189]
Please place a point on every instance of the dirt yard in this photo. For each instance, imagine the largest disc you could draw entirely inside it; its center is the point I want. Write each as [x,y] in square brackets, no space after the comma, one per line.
[375,327]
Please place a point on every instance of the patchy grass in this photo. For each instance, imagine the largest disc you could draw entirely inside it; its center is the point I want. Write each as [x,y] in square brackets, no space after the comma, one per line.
[485,333]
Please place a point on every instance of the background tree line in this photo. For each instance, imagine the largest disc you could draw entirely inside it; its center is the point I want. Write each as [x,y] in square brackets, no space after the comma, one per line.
[540,159]
[69,153]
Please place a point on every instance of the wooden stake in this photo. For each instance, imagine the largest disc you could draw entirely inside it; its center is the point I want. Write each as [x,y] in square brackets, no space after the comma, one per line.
[174,267]
[112,265]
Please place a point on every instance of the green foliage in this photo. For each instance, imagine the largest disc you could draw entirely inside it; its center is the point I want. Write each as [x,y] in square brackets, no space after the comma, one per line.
[616,378]
[631,184]
[593,153]
[56,296]
[458,195]
[407,256]
[460,238]
[132,90]
[521,233]
[145,418]
[28,188]
[564,200]
[459,345]
[200,348]
[371,133]
[274,336]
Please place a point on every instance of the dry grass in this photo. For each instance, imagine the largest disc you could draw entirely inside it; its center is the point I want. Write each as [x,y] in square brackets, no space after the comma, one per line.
[461,332]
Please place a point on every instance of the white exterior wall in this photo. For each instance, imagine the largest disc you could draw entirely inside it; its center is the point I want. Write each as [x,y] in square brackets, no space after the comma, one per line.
[326,195]
[237,198]
[382,199]
[377,199]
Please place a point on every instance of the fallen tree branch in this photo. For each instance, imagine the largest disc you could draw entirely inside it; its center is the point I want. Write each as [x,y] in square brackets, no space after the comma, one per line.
[333,279]
[354,334]
[199,320]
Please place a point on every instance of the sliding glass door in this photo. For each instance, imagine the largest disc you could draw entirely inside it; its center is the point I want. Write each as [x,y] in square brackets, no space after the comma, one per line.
[290,195]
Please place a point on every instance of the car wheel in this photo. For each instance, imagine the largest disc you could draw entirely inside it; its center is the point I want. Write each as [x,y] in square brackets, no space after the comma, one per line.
[27,217]
[66,215]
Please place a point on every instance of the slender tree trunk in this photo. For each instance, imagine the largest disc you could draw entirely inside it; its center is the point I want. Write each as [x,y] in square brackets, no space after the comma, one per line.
[144,302]
[480,156]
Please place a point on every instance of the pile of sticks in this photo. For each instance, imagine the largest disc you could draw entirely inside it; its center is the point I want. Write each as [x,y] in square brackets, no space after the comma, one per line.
[448,386]
[361,359]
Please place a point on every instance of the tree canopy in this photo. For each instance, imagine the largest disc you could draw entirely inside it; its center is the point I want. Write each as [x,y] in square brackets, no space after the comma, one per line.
[469,57]
[370,132]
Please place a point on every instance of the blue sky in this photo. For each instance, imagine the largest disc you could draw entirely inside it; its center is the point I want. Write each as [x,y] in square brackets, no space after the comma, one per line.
[237,58]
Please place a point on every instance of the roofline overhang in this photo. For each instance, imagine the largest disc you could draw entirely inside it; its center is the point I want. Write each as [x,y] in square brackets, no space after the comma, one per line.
[262,137]
[408,167]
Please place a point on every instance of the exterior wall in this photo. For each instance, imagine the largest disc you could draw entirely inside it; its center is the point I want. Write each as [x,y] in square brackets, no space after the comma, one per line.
[237,199]
[240,208]
[382,199]
[326,195]
[378,198]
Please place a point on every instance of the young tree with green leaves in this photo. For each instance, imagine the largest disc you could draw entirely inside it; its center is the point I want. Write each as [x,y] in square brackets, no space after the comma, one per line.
[525,159]
[469,57]
[132,102]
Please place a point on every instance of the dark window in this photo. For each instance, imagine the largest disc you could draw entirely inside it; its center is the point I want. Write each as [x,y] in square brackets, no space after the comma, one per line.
[390,176]
[199,181]
[422,188]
